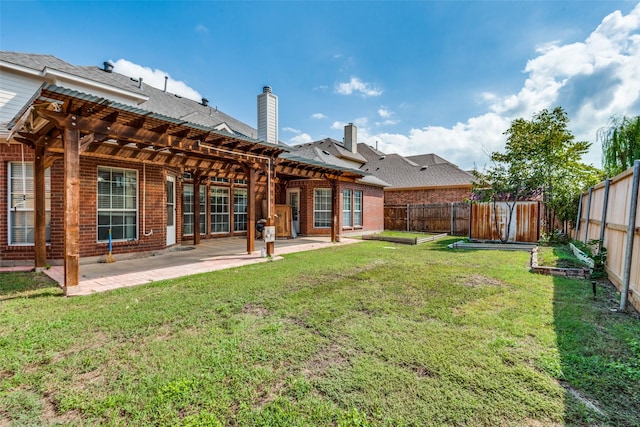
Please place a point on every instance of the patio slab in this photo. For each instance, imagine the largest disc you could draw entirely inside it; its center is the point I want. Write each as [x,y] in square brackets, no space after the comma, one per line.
[210,255]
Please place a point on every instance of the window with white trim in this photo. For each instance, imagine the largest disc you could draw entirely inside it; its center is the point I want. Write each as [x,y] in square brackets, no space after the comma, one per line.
[117,204]
[357,208]
[22,203]
[346,208]
[240,201]
[219,208]
[188,209]
[322,208]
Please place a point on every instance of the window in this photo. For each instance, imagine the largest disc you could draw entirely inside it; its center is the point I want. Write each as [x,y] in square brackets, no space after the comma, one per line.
[22,203]
[346,208]
[357,208]
[322,208]
[351,208]
[240,209]
[219,208]
[188,210]
[117,204]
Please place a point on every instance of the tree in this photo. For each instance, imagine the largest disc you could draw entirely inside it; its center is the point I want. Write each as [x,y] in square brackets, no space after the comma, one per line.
[620,144]
[541,157]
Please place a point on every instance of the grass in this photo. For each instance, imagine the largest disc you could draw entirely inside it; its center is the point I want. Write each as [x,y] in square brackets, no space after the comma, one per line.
[559,256]
[356,335]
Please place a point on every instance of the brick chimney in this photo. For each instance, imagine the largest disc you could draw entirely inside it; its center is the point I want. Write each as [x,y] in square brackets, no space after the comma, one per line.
[351,138]
[268,116]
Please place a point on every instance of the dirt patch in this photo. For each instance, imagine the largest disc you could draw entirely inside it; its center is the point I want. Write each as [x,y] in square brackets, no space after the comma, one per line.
[329,356]
[255,310]
[477,281]
[50,412]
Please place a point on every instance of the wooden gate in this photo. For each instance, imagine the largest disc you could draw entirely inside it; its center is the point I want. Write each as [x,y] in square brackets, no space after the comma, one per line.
[490,221]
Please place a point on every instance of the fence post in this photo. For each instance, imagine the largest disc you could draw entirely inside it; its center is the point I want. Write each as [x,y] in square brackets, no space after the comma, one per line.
[452,219]
[407,217]
[631,228]
[586,224]
[603,222]
[575,234]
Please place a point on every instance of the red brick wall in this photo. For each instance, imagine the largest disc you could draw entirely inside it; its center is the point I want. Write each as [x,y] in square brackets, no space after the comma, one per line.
[372,206]
[426,196]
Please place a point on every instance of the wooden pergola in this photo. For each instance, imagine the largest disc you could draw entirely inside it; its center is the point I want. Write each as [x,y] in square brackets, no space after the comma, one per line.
[60,123]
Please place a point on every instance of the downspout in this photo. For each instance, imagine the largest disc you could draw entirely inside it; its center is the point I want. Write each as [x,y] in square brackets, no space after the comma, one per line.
[144,202]
[633,210]
[200,144]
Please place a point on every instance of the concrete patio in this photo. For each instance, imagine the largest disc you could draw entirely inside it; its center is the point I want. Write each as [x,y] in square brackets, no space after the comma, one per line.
[210,255]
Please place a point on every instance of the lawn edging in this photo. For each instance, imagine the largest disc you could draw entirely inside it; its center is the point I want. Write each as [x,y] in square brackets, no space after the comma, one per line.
[579,273]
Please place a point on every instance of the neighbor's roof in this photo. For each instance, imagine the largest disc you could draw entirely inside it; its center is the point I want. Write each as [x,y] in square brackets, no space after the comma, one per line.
[406,172]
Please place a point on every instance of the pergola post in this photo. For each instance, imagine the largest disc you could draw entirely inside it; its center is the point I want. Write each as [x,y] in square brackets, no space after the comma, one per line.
[251,209]
[196,207]
[335,210]
[40,220]
[271,206]
[71,207]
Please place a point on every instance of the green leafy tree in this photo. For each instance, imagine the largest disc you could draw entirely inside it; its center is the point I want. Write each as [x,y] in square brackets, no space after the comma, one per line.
[620,144]
[542,157]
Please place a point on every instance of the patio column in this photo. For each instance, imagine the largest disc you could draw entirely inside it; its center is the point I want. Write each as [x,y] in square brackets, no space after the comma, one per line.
[251,208]
[335,211]
[196,207]
[40,220]
[71,206]
[271,203]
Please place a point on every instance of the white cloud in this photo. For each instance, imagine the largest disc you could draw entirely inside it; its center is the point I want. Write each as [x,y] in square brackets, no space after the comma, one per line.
[384,113]
[356,85]
[155,78]
[201,29]
[318,116]
[592,80]
[292,130]
[302,138]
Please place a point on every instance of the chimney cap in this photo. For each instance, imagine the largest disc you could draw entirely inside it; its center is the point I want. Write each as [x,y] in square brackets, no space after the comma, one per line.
[108,66]
[205,101]
[266,89]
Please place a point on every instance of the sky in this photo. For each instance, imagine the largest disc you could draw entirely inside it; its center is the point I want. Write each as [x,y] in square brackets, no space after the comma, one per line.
[416,77]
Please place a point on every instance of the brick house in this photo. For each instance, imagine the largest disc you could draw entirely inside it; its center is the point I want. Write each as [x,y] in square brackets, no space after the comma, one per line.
[85,152]
[408,180]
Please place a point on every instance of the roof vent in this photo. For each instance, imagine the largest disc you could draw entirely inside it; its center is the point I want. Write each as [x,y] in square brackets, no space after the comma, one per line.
[108,66]
[205,102]
[326,152]
[423,168]
[382,157]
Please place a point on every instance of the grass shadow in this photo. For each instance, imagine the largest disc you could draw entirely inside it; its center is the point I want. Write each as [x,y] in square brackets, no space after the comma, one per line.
[599,354]
[27,285]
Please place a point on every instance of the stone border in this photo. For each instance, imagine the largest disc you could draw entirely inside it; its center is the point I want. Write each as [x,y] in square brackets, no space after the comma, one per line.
[577,273]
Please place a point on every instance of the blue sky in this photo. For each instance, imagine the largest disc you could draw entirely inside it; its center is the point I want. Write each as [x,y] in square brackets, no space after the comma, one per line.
[444,77]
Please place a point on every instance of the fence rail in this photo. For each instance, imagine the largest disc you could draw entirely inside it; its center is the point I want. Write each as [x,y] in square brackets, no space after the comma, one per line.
[609,215]
[452,218]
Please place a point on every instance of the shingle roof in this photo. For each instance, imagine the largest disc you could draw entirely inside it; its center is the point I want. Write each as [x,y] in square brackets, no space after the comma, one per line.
[160,102]
[406,172]
[335,148]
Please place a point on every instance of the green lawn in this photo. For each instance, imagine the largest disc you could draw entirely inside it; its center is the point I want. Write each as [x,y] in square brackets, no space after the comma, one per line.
[559,256]
[368,334]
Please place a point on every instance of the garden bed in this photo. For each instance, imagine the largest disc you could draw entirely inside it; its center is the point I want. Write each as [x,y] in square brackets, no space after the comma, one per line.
[558,261]
[409,240]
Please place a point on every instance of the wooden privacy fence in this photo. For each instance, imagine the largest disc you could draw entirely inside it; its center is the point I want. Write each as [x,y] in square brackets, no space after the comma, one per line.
[490,221]
[609,213]
[452,218]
